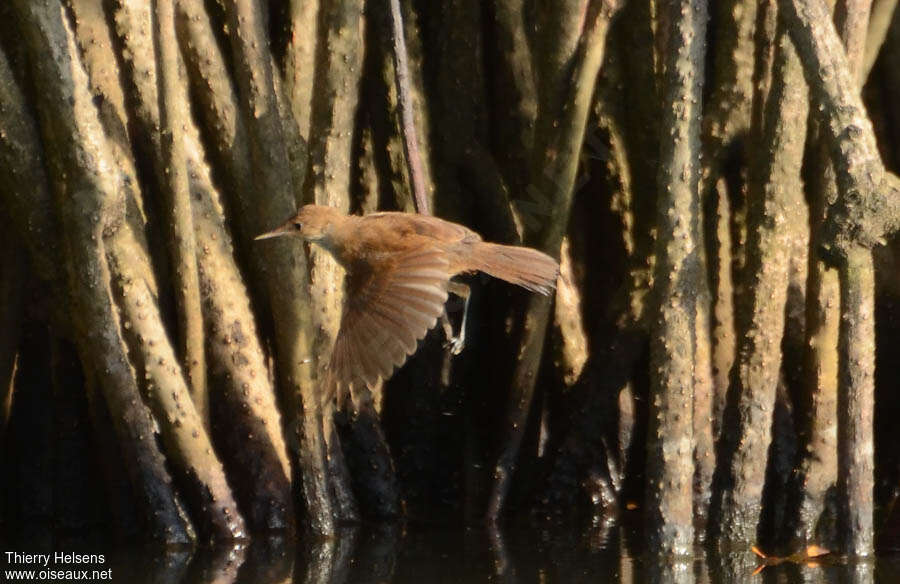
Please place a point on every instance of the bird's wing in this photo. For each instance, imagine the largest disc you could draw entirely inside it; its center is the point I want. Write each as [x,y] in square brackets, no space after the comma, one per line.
[390,305]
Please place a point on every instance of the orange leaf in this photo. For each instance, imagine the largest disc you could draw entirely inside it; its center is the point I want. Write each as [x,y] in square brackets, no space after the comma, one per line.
[758,552]
[815,551]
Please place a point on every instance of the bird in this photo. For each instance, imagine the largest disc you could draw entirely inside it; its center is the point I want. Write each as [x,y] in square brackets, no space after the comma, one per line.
[398,270]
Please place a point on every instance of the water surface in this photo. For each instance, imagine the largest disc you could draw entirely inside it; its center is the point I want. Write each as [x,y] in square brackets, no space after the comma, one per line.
[411,554]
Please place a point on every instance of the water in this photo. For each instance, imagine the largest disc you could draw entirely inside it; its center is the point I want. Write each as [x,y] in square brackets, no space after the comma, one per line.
[435,555]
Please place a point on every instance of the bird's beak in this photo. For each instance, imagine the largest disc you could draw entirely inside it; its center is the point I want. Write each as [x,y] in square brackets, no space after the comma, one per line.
[277,232]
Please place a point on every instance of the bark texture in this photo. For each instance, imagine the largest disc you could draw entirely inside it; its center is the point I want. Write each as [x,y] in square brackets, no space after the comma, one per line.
[555,152]
[670,467]
[862,183]
[775,218]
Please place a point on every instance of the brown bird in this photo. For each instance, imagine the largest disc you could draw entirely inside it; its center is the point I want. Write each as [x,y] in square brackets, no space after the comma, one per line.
[398,268]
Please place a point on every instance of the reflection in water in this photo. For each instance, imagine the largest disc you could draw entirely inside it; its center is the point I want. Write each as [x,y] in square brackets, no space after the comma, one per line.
[268,560]
[219,565]
[401,555]
[148,564]
[733,566]
[328,560]
[669,571]
[376,554]
[861,573]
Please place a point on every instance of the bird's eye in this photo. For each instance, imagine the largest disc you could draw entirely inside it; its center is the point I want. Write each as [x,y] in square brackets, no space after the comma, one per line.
[298,226]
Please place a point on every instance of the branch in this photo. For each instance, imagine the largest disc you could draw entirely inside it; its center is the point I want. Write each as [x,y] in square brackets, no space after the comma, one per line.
[728,111]
[300,60]
[23,182]
[332,129]
[856,405]
[296,145]
[558,147]
[78,151]
[250,432]
[866,211]
[459,110]
[332,133]
[774,216]
[182,248]
[818,466]
[181,428]
[215,100]
[514,84]
[670,467]
[333,123]
[281,267]
[851,19]
[557,153]
[883,14]
[727,122]
[565,26]
[410,140]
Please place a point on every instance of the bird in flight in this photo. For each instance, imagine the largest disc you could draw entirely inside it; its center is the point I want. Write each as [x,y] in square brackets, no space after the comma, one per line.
[398,276]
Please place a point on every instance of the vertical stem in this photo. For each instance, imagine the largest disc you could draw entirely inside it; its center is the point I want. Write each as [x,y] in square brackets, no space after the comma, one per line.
[726,128]
[860,217]
[282,267]
[670,466]
[703,382]
[88,193]
[339,64]
[410,141]
[514,85]
[182,245]
[774,221]
[851,19]
[23,181]
[529,357]
[244,417]
[882,15]
[856,402]
[300,60]
[557,152]
[187,444]
[724,337]
[817,465]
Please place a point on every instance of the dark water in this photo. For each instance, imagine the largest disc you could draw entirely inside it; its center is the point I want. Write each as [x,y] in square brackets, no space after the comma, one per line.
[418,555]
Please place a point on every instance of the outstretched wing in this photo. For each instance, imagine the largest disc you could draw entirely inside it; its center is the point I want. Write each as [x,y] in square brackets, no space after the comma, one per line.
[390,305]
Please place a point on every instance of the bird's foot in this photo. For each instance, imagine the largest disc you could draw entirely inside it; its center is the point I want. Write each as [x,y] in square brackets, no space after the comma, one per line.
[455,344]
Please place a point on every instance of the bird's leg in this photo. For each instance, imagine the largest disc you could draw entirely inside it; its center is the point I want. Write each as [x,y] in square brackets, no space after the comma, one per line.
[448,328]
[456,343]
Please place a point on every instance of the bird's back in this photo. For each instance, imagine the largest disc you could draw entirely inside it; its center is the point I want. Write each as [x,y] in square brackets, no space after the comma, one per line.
[412,224]
[392,232]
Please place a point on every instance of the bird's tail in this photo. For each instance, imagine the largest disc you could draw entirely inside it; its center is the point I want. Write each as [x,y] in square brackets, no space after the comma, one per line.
[522,266]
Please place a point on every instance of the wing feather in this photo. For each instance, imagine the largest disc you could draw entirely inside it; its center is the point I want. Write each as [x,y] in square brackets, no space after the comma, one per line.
[406,338]
[391,305]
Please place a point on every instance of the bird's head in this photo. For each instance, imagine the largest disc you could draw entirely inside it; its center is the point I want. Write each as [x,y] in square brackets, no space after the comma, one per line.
[312,223]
